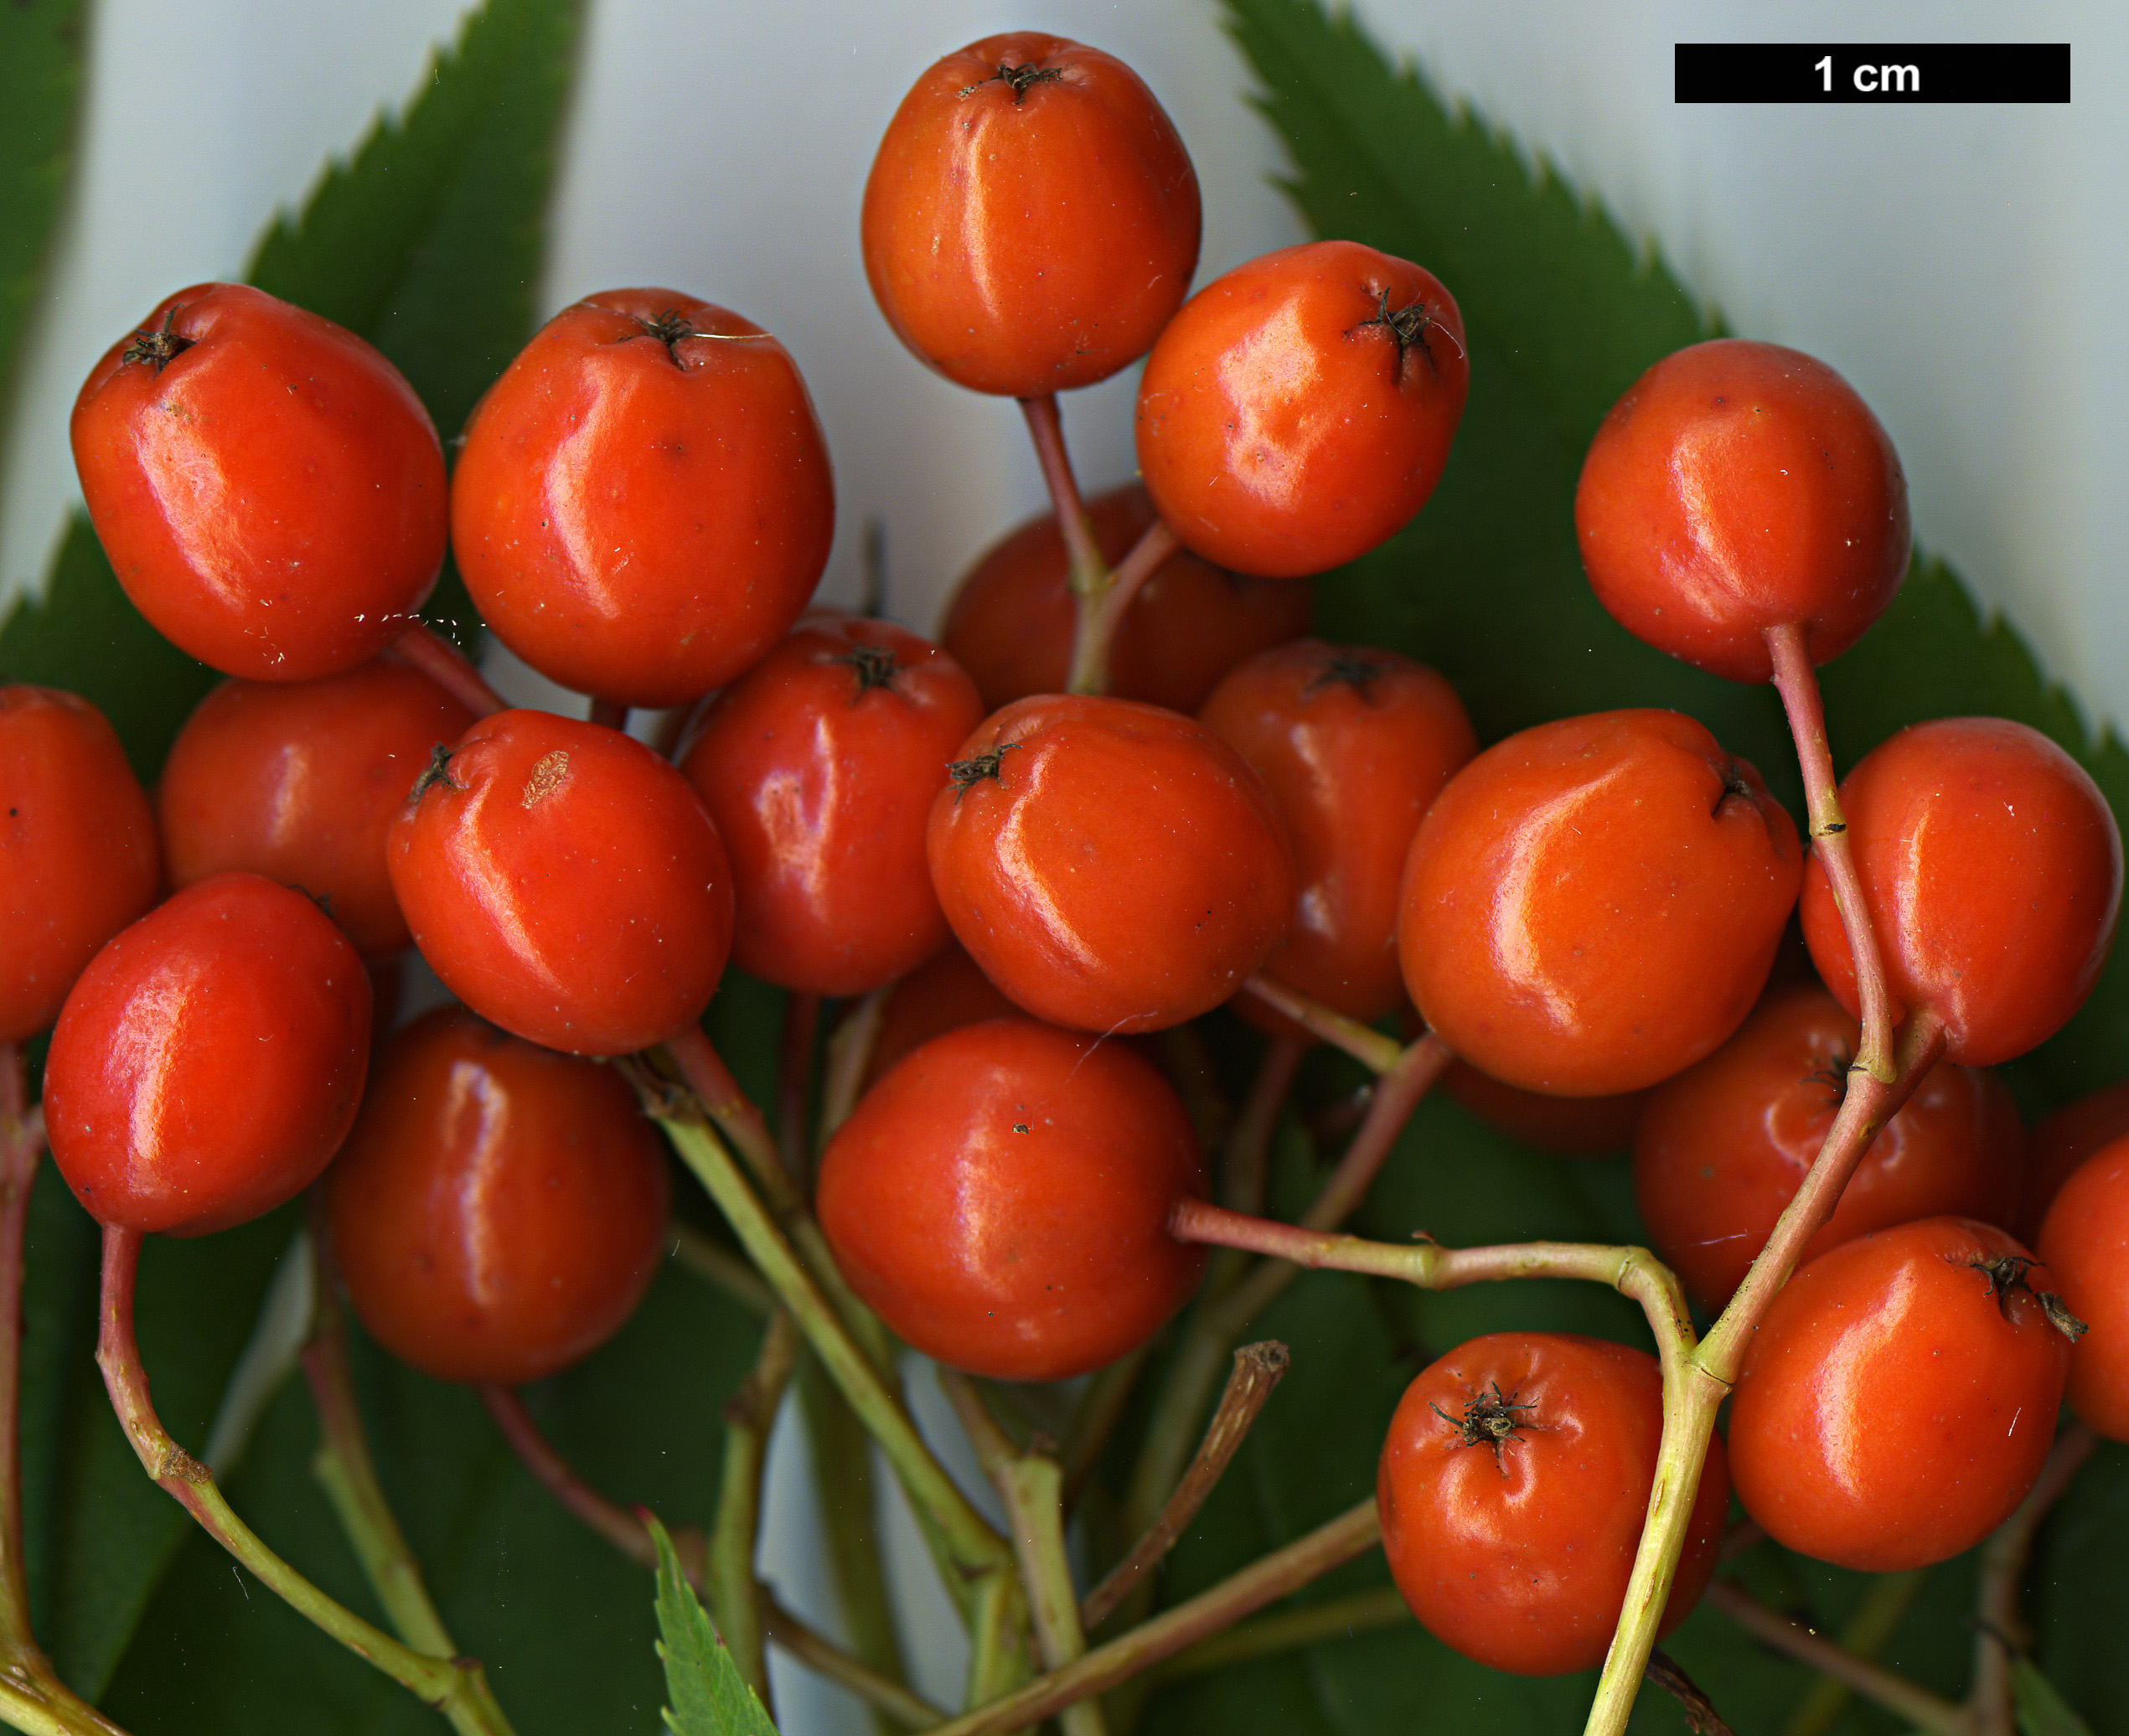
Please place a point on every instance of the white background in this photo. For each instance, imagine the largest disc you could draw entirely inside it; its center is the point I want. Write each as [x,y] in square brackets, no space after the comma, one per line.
[1967,268]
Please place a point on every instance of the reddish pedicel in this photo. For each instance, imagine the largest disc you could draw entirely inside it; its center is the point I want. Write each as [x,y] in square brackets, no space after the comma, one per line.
[1992,869]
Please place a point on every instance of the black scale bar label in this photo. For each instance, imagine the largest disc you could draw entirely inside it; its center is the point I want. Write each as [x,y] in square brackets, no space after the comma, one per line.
[1871,72]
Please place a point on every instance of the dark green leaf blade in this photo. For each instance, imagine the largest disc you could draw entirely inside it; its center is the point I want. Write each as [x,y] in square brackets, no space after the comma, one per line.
[708,1697]
[2041,1709]
[428,240]
[40,88]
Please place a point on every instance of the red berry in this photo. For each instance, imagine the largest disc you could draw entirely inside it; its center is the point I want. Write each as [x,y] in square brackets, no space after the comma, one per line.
[1898,1398]
[643,503]
[209,1059]
[1593,904]
[1001,1198]
[942,993]
[1739,486]
[499,1209]
[1299,411]
[818,767]
[565,883]
[1011,619]
[1031,217]
[299,781]
[1722,1149]
[268,487]
[1991,869]
[1110,866]
[1513,1486]
[1353,744]
[77,852]
[2084,1249]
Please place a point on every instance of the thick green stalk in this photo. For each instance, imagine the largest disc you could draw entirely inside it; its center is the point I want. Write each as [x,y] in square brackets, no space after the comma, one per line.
[975,1554]
[750,1415]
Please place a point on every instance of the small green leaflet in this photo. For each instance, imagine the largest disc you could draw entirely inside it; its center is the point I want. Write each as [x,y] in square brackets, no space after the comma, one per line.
[40,88]
[708,1696]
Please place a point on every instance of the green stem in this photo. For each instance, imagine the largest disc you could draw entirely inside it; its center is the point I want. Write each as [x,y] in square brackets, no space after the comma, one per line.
[884,1694]
[844,1482]
[343,1466]
[750,1415]
[1360,1612]
[1373,1051]
[850,1055]
[1046,428]
[1999,1625]
[722,1269]
[704,1073]
[1031,1486]
[1264,1581]
[453,1685]
[1102,607]
[974,1554]
[1222,1316]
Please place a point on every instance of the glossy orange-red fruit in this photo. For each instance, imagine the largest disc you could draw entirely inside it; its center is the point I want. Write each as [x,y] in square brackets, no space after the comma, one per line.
[1000,1198]
[1899,1398]
[1992,868]
[1739,486]
[818,767]
[1031,217]
[1011,621]
[499,1209]
[1722,1149]
[1512,1487]
[565,882]
[1299,411]
[1110,866]
[208,1063]
[643,501]
[2083,1248]
[299,781]
[268,487]
[1593,904]
[948,990]
[77,850]
[1354,744]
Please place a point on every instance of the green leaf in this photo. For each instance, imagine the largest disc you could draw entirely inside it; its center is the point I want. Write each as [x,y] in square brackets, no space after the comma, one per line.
[428,241]
[40,88]
[432,231]
[709,1696]
[2041,1710]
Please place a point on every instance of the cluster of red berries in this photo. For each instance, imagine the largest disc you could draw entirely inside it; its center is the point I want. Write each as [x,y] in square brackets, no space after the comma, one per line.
[1589,910]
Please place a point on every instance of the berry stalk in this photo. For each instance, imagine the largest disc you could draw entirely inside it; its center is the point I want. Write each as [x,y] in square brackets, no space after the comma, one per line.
[343,1466]
[750,1414]
[31,1696]
[454,1685]
[1265,1581]
[972,1556]
[1797,683]
[1030,1482]
[444,664]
